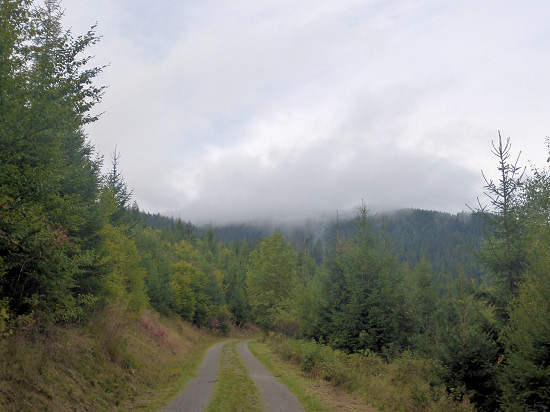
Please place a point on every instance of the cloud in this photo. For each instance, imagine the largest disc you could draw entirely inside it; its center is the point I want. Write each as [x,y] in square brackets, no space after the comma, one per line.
[230,110]
[234,187]
[334,165]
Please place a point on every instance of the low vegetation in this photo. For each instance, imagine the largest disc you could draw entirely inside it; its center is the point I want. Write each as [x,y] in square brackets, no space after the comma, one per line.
[116,362]
[407,383]
[235,391]
[312,396]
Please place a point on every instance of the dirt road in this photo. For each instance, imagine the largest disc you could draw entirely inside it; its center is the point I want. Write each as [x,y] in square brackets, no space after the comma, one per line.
[196,395]
[198,392]
[275,396]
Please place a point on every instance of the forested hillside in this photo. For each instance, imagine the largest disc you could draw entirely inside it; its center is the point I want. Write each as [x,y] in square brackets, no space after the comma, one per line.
[73,245]
[447,241]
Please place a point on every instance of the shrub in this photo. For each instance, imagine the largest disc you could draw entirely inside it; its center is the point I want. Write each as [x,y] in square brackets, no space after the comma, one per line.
[407,383]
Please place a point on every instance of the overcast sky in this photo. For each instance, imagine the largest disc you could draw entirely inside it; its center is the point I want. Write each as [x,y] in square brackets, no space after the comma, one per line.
[235,110]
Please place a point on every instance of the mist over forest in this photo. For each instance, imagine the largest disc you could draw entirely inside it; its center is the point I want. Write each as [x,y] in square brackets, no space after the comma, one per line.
[100,301]
[446,240]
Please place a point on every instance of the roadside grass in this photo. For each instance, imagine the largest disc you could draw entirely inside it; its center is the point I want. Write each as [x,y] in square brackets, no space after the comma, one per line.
[235,391]
[118,361]
[314,395]
[169,352]
[405,384]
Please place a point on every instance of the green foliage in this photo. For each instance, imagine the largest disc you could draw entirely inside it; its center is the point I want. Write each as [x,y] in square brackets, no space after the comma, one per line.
[365,307]
[185,279]
[235,261]
[71,242]
[124,278]
[309,304]
[116,189]
[4,318]
[409,383]
[527,371]
[156,257]
[196,285]
[503,250]
[48,182]
[526,377]
[270,277]
[423,299]
[467,346]
[445,240]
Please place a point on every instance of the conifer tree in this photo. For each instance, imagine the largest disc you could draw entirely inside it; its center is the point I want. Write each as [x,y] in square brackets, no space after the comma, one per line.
[365,307]
[424,303]
[503,250]
[47,213]
[526,375]
[117,188]
[235,281]
[467,345]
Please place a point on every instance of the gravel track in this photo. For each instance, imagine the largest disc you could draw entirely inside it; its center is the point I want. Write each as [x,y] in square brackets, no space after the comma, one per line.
[275,396]
[198,392]
[196,395]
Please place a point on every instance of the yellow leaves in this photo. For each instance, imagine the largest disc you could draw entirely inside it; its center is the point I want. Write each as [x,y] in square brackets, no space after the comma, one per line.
[218,274]
[184,277]
[124,277]
[185,251]
[270,276]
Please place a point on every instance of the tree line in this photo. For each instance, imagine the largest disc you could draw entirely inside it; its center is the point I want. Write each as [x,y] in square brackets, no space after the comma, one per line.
[490,338]
[446,240]
[72,242]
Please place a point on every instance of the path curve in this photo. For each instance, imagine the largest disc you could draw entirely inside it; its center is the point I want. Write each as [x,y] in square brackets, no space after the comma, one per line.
[196,395]
[275,396]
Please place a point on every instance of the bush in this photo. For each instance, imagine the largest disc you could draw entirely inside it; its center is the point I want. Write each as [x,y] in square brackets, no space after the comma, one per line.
[407,383]
[220,320]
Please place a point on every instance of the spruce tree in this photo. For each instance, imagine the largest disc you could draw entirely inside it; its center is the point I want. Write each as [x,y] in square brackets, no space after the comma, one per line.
[503,250]
[48,195]
[365,307]
[526,375]
[467,345]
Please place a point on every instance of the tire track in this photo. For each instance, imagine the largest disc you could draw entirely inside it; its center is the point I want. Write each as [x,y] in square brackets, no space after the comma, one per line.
[198,392]
[275,396]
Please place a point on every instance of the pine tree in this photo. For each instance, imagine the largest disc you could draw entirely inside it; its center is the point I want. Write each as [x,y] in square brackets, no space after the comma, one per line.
[117,188]
[235,281]
[467,345]
[424,303]
[526,376]
[365,307]
[503,250]
[48,219]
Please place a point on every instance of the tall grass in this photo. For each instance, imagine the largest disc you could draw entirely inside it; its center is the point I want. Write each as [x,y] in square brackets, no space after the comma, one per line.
[407,383]
[118,361]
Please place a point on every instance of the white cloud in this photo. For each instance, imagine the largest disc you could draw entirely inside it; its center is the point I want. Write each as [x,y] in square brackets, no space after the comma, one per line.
[233,109]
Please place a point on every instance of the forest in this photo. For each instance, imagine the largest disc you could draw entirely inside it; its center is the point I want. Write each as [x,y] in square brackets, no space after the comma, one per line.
[469,292]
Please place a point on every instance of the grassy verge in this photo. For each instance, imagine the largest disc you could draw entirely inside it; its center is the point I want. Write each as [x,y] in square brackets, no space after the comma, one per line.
[313,394]
[406,384]
[234,391]
[117,361]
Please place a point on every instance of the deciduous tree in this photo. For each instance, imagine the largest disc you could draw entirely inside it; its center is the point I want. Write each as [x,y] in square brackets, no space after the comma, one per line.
[270,276]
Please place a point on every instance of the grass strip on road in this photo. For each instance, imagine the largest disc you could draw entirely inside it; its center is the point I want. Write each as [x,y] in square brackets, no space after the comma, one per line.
[235,391]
